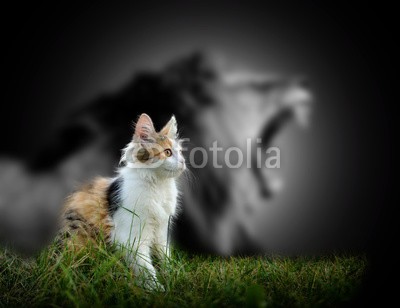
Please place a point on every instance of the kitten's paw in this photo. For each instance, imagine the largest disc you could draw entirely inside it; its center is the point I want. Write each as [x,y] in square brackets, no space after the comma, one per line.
[153,285]
[160,287]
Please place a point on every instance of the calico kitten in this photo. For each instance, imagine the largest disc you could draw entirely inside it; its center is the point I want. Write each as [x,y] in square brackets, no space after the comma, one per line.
[133,209]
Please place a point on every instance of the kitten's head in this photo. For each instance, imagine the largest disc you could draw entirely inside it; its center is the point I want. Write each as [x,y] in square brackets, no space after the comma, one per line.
[160,152]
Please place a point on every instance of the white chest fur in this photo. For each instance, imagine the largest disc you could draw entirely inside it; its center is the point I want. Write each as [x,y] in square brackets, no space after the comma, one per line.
[146,205]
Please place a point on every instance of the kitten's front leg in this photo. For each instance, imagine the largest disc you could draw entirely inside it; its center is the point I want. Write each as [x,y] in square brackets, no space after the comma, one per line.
[143,268]
[138,255]
[161,242]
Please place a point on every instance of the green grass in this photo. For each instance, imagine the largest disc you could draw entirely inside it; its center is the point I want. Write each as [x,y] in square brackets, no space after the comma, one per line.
[97,277]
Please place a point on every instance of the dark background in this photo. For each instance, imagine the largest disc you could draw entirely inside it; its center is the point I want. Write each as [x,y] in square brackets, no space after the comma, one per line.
[58,57]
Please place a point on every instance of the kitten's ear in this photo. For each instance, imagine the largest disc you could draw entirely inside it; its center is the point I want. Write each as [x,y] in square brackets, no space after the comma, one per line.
[170,129]
[144,127]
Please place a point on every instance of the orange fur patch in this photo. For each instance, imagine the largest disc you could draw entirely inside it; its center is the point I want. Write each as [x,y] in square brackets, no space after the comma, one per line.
[85,215]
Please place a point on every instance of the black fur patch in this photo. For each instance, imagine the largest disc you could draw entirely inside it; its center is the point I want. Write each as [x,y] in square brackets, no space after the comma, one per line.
[113,195]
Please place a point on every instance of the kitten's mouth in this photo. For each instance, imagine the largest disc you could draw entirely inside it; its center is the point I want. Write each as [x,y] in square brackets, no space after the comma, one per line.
[172,170]
[180,169]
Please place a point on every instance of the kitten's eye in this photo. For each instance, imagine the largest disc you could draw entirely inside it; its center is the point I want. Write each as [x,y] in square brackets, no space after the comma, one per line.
[168,152]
